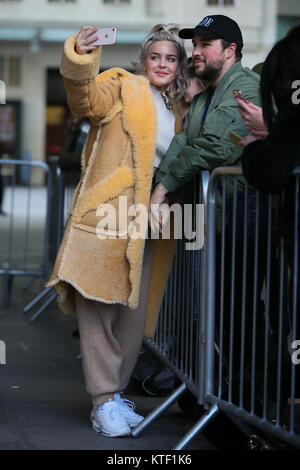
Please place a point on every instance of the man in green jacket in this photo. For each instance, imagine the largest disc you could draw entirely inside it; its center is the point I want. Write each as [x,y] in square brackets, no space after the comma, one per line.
[204,144]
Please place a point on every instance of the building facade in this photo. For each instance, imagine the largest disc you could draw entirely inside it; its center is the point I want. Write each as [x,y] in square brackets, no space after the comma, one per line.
[32,33]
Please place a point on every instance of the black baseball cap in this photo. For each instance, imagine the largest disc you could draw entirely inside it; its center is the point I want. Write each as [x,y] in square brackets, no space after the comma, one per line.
[216,27]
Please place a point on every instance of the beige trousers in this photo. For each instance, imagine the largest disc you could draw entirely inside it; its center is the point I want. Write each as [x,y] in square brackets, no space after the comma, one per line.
[111,336]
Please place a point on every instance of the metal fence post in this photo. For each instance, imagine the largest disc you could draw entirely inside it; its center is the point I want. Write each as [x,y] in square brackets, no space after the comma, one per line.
[54,173]
[210,287]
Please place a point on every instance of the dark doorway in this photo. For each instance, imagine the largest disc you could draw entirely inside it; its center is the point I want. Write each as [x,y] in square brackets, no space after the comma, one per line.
[57,112]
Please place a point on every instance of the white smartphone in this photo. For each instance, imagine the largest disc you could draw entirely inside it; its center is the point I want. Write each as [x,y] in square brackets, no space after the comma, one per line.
[106,37]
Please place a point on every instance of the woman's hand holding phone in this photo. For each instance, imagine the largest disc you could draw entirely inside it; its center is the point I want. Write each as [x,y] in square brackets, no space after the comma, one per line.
[86,36]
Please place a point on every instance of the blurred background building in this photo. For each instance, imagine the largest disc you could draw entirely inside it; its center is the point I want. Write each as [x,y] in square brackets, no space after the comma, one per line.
[32,32]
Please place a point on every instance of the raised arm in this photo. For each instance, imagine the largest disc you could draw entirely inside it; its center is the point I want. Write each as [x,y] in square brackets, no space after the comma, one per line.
[80,67]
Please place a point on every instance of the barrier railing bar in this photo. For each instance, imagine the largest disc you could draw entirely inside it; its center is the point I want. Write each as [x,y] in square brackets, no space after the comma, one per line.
[280,322]
[43,165]
[188,312]
[210,287]
[222,284]
[197,428]
[295,301]
[182,306]
[11,219]
[244,287]
[232,294]
[267,307]
[178,303]
[201,326]
[174,308]
[39,297]
[26,240]
[159,410]
[20,272]
[254,325]
[267,426]
[43,307]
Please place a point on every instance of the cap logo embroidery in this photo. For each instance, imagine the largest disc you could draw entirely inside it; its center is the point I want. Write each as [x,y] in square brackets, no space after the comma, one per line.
[206,21]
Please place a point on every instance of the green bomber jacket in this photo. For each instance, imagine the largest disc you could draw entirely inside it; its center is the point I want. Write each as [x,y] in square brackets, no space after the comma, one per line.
[206,146]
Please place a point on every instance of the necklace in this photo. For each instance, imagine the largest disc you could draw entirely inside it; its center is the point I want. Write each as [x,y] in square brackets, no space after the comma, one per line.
[167,100]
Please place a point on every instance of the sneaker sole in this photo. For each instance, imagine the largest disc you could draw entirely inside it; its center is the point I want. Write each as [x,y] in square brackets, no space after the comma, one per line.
[131,425]
[99,428]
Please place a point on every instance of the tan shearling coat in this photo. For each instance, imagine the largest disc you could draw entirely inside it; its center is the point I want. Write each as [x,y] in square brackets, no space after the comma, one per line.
[117,160]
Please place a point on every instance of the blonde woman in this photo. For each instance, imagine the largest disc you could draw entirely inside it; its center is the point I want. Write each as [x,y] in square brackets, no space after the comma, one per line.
[114,280]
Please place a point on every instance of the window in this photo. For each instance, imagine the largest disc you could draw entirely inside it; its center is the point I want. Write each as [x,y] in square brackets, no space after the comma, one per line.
[220,2]
[61,1]
[2,68]
[116,2]
[10,70]
[14,71]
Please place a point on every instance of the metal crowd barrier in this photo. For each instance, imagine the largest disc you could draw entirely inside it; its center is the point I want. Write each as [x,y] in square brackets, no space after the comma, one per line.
[33,226]
[25,229]
[228,326]
[179,337]
[248,331]
[62,187]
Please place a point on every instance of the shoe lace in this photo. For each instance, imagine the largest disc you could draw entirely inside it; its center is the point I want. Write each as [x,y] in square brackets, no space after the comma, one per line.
[113,412]
[127,403]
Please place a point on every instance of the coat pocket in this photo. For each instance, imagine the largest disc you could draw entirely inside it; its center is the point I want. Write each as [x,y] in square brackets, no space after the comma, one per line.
[103,192]
[112,218]
[220,121]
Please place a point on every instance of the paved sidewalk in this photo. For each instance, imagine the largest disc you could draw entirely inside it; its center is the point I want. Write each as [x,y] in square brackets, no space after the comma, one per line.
[43,402]
[24,198]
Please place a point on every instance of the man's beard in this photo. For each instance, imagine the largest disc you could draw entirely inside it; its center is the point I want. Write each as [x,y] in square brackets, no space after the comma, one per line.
[211,72]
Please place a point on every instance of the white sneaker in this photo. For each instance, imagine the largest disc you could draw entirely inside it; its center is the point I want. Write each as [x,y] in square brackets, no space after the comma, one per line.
[108,420]
[127,408]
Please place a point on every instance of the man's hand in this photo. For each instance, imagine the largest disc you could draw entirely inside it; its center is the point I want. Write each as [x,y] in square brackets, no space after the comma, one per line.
[247,140]
[260,134]
[157,213]
[84,38]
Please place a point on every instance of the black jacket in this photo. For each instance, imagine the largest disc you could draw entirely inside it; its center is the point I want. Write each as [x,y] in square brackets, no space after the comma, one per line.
[268,164]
